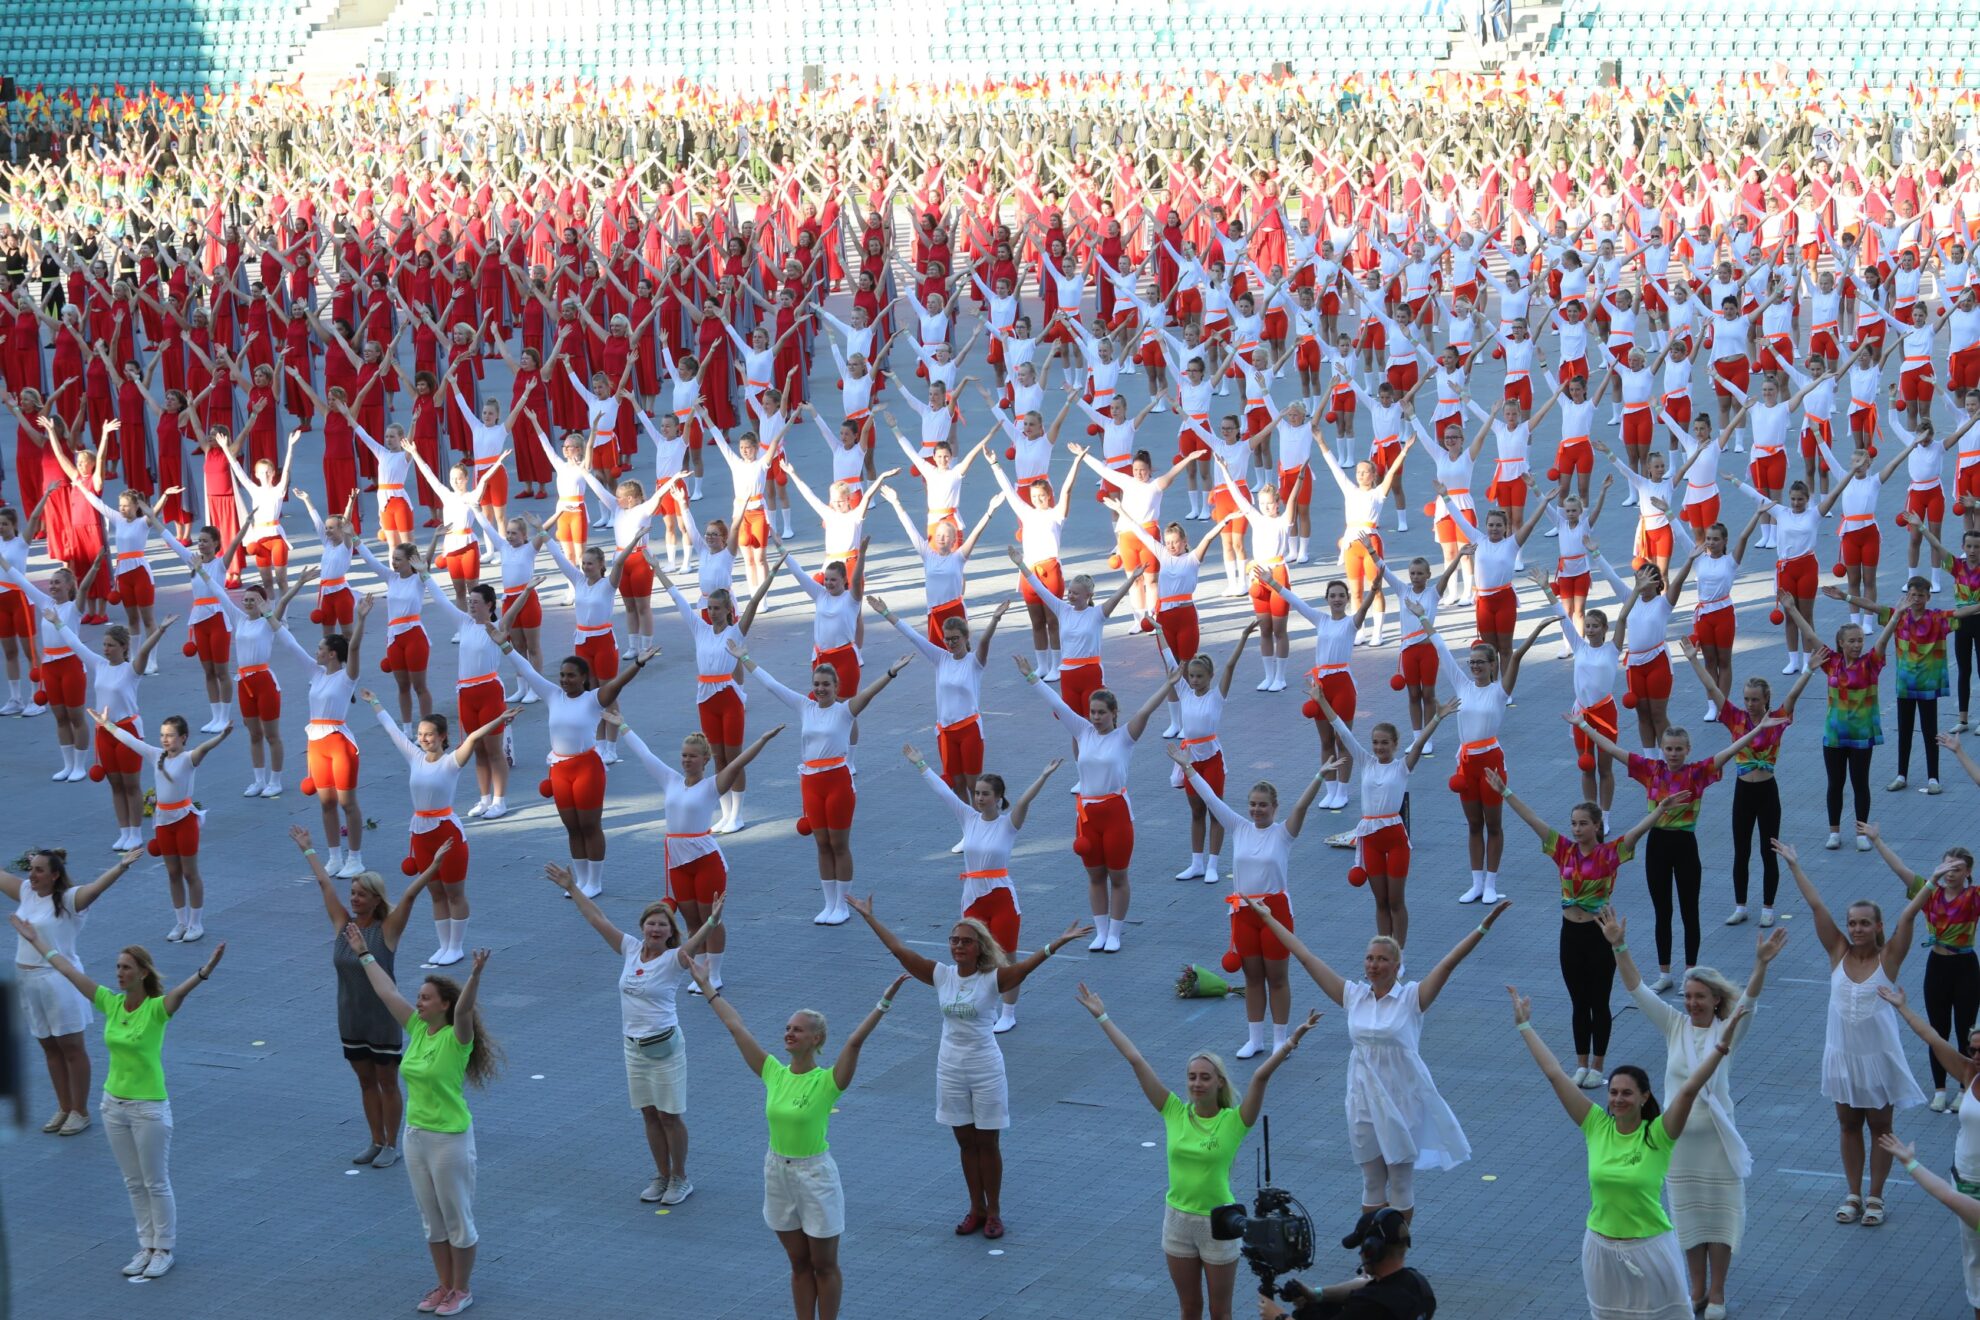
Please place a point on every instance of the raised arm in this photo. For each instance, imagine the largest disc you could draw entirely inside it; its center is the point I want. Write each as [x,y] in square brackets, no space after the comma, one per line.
[1331,983]
[919,966]
[1432,985]
[1151,1085]
[848,1061]
[1572,1098]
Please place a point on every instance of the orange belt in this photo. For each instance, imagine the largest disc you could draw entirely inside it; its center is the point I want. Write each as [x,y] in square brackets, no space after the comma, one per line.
[826,763]
[715,678]
[403,618]
[1193,742]
[326,724]
[1860,519]
[387,487]
[590,630]
[1478,748]
[245,670]
[326,585]
[998,874]
[1074,661]
[948,728]
[1319,671]
[205,601]
[696,834]
[1163,603]
[488,677]
[129,554]
[172,806]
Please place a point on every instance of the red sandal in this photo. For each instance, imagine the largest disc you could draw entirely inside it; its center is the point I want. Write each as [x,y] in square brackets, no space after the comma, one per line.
[993,1227]
[970,1223]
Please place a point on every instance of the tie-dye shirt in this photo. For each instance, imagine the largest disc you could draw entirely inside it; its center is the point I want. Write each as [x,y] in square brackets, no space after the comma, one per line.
[1965,580]
[1763,751]
[1587,878]
[1921,651]
[1661,779]
[1854,718]
[1951,915]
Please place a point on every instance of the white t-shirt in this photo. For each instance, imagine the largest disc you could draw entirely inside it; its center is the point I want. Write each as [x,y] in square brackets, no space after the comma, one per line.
[646,989]
[969,1011]
[59,930]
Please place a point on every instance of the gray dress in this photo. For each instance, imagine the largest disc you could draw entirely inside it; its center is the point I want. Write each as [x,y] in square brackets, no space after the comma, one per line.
[364,1024]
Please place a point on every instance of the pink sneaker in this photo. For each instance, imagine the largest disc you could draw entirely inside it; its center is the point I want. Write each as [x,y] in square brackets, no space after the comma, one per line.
[432,1300]
[456,1303]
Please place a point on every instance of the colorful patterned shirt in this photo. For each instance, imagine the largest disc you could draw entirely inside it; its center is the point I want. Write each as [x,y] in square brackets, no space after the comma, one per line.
[1965,580]
[1763,751]
[1921,651]
[1661,779]
[1587,878]
[1951,915]
[1854,718]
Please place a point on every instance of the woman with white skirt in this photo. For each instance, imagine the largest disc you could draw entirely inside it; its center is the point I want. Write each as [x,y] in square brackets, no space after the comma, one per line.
[1397,1121]
[1863,1068]
[1948,1194]
[1711,1165]
[656,964]
[971,1095]
[1630,1262]
[1964,1069]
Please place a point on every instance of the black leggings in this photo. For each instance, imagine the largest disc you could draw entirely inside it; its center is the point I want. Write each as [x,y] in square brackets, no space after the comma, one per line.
[1966,644]
[1588,966]
[1672,859]
[1756,803]
[1952,1001]
[1855,761]
[1927,711]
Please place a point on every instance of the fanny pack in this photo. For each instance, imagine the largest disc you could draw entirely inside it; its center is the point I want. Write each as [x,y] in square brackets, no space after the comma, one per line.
[665,1045]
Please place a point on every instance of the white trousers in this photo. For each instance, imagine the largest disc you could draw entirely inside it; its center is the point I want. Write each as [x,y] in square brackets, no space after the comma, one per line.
[140,1133]
[440,1166]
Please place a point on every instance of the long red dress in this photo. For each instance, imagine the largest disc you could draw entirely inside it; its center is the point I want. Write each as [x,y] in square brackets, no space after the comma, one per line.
[223,511]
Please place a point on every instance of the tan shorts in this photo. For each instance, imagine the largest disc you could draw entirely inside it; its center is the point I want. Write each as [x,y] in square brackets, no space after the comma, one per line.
[1187,1236]
[803,1194]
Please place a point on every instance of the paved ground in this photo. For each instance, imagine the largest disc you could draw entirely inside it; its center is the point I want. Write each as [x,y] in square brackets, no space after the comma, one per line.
[274,1221]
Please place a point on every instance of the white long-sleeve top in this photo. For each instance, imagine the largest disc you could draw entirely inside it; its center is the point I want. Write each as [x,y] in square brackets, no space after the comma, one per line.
[941,486]
[1649,624]
[172,778]
[1416,632]
[1798,531]
[115,687]
[714,668]
[206,592]
[1175,575]
[1260,859]
[987,844]
[944,572]
[1333,639]
[1039,530]
[329,691]
[1712,581]
[1594,666]
[254,641]
[1495,560]
[488,441]
[591,602]
[842,527]
[479,659]
[826,737]
[405,595]
[128,536]
[394,466]
[1384,784]
[1481,707]
[1858,502]
[958,679]
[264,502]
[1079,629]
[1102,757]
[573,720]
[1141,501]
[834,619]
[333,564]
[1199,715]
[690,807]
[431,782]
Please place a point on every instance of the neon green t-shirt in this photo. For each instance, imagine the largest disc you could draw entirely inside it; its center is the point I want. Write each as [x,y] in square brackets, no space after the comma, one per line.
[434,1068]
[1200,1154]
[1626,1176]
[136,1041]
[798,1107]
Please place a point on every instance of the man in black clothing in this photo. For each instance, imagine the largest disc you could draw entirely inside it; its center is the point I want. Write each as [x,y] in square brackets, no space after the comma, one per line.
[1386,1288]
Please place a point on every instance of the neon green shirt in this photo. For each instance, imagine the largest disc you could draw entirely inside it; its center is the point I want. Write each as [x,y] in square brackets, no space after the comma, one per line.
[1626,1176]
[434,1068]
[136,1041]
[1200,1154]
[798,1107]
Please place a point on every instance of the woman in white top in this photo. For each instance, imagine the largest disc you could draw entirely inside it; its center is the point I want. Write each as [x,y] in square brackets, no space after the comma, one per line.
[825,780]
[959,669]
[129,532]
[1041,523]
[945,553]
[175,819]
[56,1012]
[408,649]
[577,771]
[264,493]
[432,771]
[1863,1069]
[594,591]
[114,674]
[1965,1068]
[335,600]
[333,752]
[697,872]
[457,547]
[1197,710]
[1797,525]
[719,700]
[971,1097]
[1712,568]
[1397,1122]
[1710,1164]
[1079,621]
[1104,839]
[252,624]
[656,964]
[1261,853]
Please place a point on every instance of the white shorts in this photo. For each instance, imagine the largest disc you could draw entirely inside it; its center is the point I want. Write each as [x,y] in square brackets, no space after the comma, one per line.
[1187,1237]
[974,1094]
[53,1007]
[1637,1279]
[803,1193]
[1969,1256]
[658,1083]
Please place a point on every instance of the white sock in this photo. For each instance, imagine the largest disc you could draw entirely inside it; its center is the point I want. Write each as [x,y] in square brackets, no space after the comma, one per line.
[442,933]
[1254,1035]
[1491,882]
[354,855]
[1281,1031]
[458,934]
[715,970]
[181,917]
[844,892]
[1478,880]
[1040,662]
[260,777]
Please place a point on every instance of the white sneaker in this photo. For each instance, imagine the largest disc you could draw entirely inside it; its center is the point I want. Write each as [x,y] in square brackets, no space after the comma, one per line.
[1738,917]
[611,756]
[1833,842]
[353,866]
[138,1262]
[272,789]
[824,917]
[677,1191]
[1938,1105]
[178,933]
[478,810]
[655,1189]
[839,916]
[530,698]
[1194,871]
[60,776]
[1662,983]
[1264,684]
[32,709]
[1473,894]
[1711,713]
[1862,844]
[1172,731]
[193,932]
[1931,788]
[78,773]
[252,790]
[12,707]
[1767,916]
[1250,1049]
[1113,944]
[1006,1020]
[496,810]
[159,1266]
[1895,786]
[1491,894]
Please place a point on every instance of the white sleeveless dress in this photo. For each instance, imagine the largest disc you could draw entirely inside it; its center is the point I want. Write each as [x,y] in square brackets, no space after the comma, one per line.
[1394,1111]
[1862,1063]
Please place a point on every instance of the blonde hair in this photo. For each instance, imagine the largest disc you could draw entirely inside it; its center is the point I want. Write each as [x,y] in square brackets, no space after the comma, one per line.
[374,884]
[817,1019]
[147,970]
[1715,981]
[989,952]
[673,921]
[699,741]
[1269,789]
[1226,1093]
[1388,942]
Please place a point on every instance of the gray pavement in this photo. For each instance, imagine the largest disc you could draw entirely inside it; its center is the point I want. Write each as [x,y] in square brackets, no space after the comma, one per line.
[274,1222]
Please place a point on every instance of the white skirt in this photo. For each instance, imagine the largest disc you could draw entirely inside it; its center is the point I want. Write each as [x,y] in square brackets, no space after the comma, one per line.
[658,1083]
[1640,1279]
[1708,1200]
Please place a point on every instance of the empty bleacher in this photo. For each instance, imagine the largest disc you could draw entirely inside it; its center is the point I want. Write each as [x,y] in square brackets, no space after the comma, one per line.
[181,45]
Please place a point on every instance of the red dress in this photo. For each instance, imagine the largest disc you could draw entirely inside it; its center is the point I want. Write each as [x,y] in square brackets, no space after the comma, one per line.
[532,465]
[171,469]
[134,432]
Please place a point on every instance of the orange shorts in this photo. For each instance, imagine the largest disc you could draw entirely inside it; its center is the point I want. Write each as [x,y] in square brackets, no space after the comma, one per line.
[1266,602]
[1050,574]
[1497,611]
[1104,838]
[1252,938]
[636,576]
[577,783]
[1223,506]
[113,756]
[495,494]
[1295,486]
[722,718]
[568,529]
[179,839]
[211,641]
[752,532]
[1180,629]
[464,564]
[64,682]
[1651,680]
[1358,564]
[1603,717]
[395,515]
[1127,548]
[409,651]
[531,614]
[420,849]
[1418,666]
[961,748]
[1447,532]
[1713,629]
[1653,543]
[1702,513]
[1386,852]
[333,762]
[260,698]
[699,880]
[998,910]
[828,798]
[271,551]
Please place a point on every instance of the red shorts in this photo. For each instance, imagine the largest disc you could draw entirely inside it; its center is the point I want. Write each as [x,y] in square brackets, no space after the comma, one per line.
[1713,629]
[1295,486]
[1223,506]
[1252,938]
[1127,548]
[135,587]
[1372,336]
[531,614]
[113,756]
[1574,456]
[1822,344]
[1447,532]
[211,641]
[1179,626]
[1862,423]
[179,839]
[14,620]
[1402,376]
[636,576]
[1078,683]
[1797,577]
[1573,368]
[1508,493]
[1928,505]
[1651,680]
[752,533]
[845,663]
[601,653]
[699,880]
[1572,586]
[1966,485]
[1307,356]
[1470,776]
[960,746]
[1418,665]
[1521,391]
[998,910]
[1653,543]
[1862,547]
[395,515]
[828,798]
[335,608]
[1358,565]
[1915,384]
[1701,514]
[409,651]
[722,718]
[1767,472]
[1603,717]
[1497,611]
[64,682]
[1963,370]
[1679,407]
[478,704]
[464,564]
[1104,839]
[260,698]
[333,763]
[1268,603]
[271,551]
[577,783]
[1386,852]
[1050,574]
[1338,687]
[1384,455]
[495,494]
[1637,433]
[420,849]
[1737,370]
[1775,350]
[1211,771]
[1330,303]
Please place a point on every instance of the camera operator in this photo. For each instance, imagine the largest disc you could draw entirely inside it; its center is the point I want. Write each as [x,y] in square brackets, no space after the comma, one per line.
[1386,1288]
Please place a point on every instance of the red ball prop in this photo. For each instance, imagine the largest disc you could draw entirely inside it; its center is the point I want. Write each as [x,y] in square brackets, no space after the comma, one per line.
[1113,561]
[117,597]
[41,696]
[544,789]
[804,826]
[96,773]
[1396,683]
[34,674]
[1903,518]
[1586,762]
[1148,625]
[1457,783]
[1776,618]
[316,616]
[1629,701]
[1553,474]
[153,848]
[386,665]
[189,650]
[1430,510]
[1331,417]
[1010,453]
[308,786]
[1231,962]
[1357,876]
[1838,570]
[407,866]
[1310,709]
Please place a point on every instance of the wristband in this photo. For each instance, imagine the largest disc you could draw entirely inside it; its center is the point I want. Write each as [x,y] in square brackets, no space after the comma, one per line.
[309,852]
[1031,677]
[1619,948]
[366,960]
[1526,1026]
[1103,1018]
[920,764]
[202,973]
[1911,1166]
[884,1005]
[1482,929]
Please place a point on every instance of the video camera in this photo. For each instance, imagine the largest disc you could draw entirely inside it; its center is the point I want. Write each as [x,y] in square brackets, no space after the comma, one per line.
[1277,1234]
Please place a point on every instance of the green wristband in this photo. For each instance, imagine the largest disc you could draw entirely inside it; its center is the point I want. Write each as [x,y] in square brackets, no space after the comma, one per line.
[1619,948]
[1526,1026]
[309,852]
[1911,1166]
[1103,1018]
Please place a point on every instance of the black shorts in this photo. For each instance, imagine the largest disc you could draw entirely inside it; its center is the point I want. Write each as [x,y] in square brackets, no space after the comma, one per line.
[358,1052]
